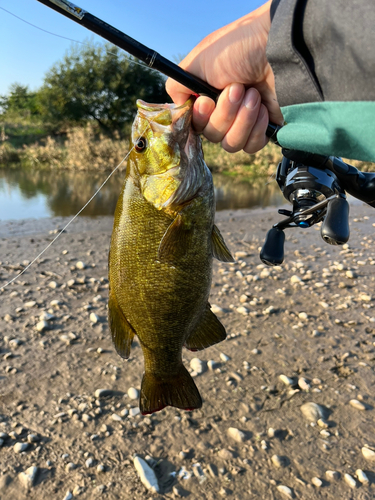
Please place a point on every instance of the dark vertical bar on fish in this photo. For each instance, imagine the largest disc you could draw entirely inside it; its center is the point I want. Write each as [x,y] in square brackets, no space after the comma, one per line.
[140,51]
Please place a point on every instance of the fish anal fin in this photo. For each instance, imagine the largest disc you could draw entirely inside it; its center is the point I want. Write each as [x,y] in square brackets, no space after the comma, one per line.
[209,332]
[179,391]
[219,248]
[176,241]
[121,330]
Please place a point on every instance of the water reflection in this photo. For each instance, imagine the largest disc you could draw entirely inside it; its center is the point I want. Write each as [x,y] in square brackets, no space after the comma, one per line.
[45,193]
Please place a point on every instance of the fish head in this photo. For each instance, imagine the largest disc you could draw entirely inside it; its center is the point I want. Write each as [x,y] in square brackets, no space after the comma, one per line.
[165,151]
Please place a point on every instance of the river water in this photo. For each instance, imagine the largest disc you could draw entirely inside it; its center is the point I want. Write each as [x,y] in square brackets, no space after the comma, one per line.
[26,194]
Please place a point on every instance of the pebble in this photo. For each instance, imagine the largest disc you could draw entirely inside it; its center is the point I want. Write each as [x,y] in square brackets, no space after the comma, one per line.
[350,480]
[278,461]
[30,303]
[216,309]
[28,477]
[100,468]
[212,365]
[94,318]
[317,482]
[285,490]
[362,477]
[133,393]
[357,404]
[236,434]
[133,412]
[295,280]
[55,303]
[103,393]
[226,454]
[70,466]
[243,310]
[20,447]
[303,316]
[313,411]
[41,326]
[33,438]
[286,380]
[198,365]
[368,454]
[71,283]
[351,275]
[323,423]
[146,474]
[303,384]
[89,462]
[332,475]
[80,265]
[116,418]
[224,357]
[53,284]
[46,316]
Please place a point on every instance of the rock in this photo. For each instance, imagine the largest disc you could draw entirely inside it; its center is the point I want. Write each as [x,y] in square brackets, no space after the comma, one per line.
[332,475]
[368,454]
[323,423]
[303,384]
[285,490]
[33,438]
[100,468]
[362,477]
[41,326]
[226,454]
[133,412]
[303,316]
[15,343]
[350,480]
[133,393]
[28,477]
[116,418]
[94,318]
[20,447]
[351,275]
[146,474]
[236,434]
[286,380]
[80,265]
[103,393]
[90,462]
[224,357]
[53,284]
[71,283]
[296,280]
[313,411]
[30,303]
[70,466]
[212,365]
[317,482]
[216,309]
[68,496]
[243,310]
[279,461]
[198,365]
[358,405]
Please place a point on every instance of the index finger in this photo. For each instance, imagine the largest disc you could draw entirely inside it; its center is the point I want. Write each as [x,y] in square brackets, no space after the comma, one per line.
[179,93]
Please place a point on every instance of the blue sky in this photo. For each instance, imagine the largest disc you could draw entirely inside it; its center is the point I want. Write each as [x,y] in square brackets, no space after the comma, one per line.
[172,28]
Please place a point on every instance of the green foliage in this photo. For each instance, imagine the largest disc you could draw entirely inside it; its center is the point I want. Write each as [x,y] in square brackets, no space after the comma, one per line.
[19,103]
[98,82]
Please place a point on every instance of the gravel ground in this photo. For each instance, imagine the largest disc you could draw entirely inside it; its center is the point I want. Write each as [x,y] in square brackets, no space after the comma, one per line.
[297,334]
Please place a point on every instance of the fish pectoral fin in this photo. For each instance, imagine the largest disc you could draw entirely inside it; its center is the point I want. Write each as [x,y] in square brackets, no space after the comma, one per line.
[209,332]
[179,391]
[219,248]
[121,329]
[176,240]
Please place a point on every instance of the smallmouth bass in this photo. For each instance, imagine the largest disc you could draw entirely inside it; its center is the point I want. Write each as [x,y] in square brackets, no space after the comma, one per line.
[160,261]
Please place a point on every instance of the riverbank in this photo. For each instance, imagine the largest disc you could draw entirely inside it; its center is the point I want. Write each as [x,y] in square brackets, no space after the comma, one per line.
[311,320]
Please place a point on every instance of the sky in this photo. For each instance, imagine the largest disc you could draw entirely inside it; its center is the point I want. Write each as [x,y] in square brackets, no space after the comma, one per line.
[172,28]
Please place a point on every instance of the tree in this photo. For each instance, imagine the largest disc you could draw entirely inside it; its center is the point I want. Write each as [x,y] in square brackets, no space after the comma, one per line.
[20,102]
[98,82]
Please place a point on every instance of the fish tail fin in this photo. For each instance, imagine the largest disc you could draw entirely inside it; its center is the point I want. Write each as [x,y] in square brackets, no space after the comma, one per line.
[179,391]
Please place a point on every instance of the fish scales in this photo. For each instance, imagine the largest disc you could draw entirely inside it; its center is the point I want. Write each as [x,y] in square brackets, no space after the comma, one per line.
[160,263]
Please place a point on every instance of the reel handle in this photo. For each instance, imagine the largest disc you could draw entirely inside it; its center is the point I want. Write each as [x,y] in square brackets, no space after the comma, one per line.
[272,253]
[335,228]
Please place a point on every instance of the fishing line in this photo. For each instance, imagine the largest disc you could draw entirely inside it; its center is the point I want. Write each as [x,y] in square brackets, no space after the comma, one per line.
[72,40]
[71,220]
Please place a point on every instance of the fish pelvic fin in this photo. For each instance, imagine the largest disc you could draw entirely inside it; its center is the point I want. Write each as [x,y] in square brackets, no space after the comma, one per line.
[219,248]
[121,330]
[209,332]
[179,391]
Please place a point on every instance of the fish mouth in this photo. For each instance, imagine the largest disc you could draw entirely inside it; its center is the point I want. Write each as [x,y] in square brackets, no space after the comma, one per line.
[169,115]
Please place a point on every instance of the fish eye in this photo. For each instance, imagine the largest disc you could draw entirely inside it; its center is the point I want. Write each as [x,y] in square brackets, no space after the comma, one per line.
[140,145]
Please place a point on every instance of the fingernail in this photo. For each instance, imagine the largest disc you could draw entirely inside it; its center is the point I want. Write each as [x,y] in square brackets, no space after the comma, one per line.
[235,93]
[251,98]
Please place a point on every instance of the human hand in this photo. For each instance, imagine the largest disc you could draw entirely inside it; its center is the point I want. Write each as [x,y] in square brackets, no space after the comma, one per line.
[233,58]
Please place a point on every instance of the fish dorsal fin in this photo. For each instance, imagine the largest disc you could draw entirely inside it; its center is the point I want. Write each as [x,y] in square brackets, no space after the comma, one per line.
[219,248]
[209,332]
[176,240]
[121,329]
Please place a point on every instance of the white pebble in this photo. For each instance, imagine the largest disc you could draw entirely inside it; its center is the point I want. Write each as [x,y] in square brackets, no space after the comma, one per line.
[357,404]
[216,309]
[133,393]
[303,316]
[27,478]
[116,418]
[243,310]
[350,480]
[295,280]
[286,380]
[20,447]
[41,326]
[236,434]
[368,454]
[133,412]
[146,474]
[80,265]
[94,318]
[53,284]
[332,475]
[303,384]
[313,411]
[285,490]
[212,365]
[224,357]
[317,482]
[362,477]
[197,365]
[68,496]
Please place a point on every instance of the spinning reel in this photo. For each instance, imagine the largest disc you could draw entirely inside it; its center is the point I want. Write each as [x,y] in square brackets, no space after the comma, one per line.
[316,186]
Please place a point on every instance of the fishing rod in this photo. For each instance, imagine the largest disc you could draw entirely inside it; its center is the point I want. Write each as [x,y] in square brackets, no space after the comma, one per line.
[149,56]
[315,185]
